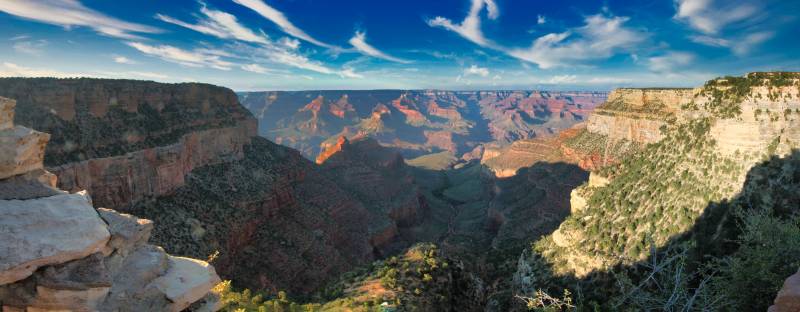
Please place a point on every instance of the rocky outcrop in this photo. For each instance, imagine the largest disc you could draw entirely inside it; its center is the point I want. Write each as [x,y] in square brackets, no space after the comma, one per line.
[329,151]
[788,298]
[637,114]
[60,254]
[125,140]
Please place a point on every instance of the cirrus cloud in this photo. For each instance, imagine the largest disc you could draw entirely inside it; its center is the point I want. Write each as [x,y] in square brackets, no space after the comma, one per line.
[71,13]
[359,42]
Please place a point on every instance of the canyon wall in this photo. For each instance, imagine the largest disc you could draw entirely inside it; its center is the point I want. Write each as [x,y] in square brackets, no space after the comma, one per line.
[59,253]
[637,114]
[709,139]
[125,141]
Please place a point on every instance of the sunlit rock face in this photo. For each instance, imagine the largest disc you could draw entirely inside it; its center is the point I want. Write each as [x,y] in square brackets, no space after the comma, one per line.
[59,253]
[415,122]
[710,135]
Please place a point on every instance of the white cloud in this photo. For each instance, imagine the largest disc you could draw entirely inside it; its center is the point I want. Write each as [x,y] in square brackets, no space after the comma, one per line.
[280,19]
[255,68]
[150,75]
[196,58]
[561,79]
[670,61]
[710,16]
[13,70]
[740,45]
[19,37]
[123,60]
[35,47]
[600,38]
[350,73]
[475,70]
[70,13]
[219,24]
[470,27]
[290,43]
[359,42]
[540,19]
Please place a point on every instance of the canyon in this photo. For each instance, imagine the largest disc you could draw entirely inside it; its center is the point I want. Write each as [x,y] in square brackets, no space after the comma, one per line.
[415,122]
[495,195]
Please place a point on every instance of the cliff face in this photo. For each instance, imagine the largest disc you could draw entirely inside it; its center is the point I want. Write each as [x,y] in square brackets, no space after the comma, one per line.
[415,122]
[128,140]
[637,114]
[710,137]
[60,254]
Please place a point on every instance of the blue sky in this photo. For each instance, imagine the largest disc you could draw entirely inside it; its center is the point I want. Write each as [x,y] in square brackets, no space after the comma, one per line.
[410,44]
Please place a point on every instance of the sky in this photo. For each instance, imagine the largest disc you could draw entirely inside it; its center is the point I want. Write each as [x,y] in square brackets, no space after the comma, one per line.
[251,45]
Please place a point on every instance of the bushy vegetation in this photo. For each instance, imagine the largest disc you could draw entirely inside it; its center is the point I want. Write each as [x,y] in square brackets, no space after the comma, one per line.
[589,143]
[419,280]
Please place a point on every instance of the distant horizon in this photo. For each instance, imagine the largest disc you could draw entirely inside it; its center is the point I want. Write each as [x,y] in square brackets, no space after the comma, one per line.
[373,45]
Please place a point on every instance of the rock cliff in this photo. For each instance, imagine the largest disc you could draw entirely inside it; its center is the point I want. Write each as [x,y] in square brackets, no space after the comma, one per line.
[124,140]
[708,138]
[58,253]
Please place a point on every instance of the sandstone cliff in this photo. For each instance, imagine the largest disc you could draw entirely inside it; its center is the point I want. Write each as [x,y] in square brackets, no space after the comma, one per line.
[125,141]
[698,145]
[60,254]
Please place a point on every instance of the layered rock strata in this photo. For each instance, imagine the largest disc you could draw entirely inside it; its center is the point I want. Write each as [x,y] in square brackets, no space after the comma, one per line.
[58,253]
[125,140]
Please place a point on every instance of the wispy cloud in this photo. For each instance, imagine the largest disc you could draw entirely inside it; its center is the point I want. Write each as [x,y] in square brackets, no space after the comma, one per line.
[254,68]
[600,38]
[670,62]
[710,16]
[34,47]
[259,47]
[470,27]
[475,70]
[736,25]
[219,24]
[150,75]
[123,60]
[195,58]
[740,45]
[281,20]
[359,42]
[13,70]
[71,13]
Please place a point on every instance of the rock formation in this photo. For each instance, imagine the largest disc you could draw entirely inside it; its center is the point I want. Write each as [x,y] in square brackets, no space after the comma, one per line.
[124,140]
[415,122]
[58,253]
[788,298]
[686,148]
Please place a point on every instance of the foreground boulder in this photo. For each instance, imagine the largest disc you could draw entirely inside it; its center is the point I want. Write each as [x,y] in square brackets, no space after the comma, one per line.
[788,298]
[59,253]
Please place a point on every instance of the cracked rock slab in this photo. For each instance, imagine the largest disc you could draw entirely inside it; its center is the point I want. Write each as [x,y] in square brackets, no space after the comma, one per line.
[46,231]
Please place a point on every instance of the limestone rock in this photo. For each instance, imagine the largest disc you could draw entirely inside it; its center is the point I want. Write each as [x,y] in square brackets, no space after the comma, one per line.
[33,184]
[79,285]
[788,298]
[127,231]
[21,150]
[576,201]
[187,280]
[130,280]
[46,231]
[6,113]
